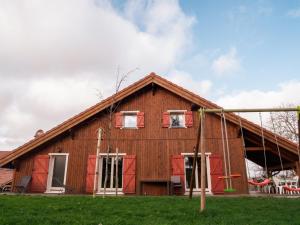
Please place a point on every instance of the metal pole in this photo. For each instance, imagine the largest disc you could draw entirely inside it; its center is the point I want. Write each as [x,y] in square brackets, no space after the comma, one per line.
[203,171]
[196,149]
[97,161]
[251,110]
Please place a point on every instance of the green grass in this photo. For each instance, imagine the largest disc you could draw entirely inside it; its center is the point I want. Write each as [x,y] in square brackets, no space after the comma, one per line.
[146,210]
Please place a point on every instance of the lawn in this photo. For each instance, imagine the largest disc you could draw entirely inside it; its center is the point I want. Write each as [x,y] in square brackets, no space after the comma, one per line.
[146,210]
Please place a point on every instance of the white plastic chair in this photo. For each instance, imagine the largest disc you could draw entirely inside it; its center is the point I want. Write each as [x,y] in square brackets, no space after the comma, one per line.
[278,185]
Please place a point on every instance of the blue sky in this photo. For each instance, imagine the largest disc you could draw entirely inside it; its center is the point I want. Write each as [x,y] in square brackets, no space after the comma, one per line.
[262,38]
[266,37]
[56,57]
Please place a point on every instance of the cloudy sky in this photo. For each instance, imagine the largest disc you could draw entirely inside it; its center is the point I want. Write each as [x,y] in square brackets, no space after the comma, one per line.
[57,56]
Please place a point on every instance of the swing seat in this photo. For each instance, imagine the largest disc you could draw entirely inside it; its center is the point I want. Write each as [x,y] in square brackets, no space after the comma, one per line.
[229,190]
[261,184]
[287,188]
[224,177]
[236,175]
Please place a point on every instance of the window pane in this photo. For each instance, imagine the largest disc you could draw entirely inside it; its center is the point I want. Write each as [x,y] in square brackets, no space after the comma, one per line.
[130,120]
[188,171]
[108,172]
[199,173]
[177,120]
[118,164]
[58,171]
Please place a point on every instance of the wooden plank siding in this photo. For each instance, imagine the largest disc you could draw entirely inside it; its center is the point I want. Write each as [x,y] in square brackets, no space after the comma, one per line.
[152,145]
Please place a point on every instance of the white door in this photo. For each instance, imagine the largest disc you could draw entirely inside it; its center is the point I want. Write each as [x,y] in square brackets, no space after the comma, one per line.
[188,165]
[57,172]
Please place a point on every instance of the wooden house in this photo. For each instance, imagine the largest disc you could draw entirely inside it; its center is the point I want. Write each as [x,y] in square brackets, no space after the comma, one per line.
[154,130]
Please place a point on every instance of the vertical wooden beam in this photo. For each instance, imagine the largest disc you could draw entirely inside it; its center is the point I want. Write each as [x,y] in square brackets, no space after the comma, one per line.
[117,177]
[97,161]
[297,168]
[203,161]
[13,183]
[196,150]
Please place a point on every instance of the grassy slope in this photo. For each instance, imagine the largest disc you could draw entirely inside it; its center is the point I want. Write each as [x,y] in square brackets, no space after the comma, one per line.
[146,210]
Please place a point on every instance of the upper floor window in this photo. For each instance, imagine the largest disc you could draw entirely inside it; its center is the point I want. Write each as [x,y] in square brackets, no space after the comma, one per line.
[129,119]
[177,119]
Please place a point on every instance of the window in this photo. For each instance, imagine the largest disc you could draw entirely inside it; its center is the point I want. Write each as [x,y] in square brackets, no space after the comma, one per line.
[188,165]
[114,166]
[57,172]
[177,119]
[130,120]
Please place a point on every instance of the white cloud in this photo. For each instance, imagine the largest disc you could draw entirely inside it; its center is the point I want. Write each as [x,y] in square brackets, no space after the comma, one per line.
[201,87]
[295,13]
[55,54]
[44,104]
[286,93]
[227,63]
[57,36]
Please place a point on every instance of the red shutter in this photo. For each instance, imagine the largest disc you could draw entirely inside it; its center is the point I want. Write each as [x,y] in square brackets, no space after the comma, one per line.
[140,119]
[189,119]
[129,164]
[166,119]
[178,168]
[216,170]
[119,120]
[40,173]
[90,173]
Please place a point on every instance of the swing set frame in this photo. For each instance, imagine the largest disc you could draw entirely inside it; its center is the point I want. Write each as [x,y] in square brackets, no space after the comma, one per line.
[201,141]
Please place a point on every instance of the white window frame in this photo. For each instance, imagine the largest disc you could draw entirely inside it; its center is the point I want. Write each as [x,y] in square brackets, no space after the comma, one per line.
[198,190]
[179,112]
[123,119]
[49,188]
[109,190]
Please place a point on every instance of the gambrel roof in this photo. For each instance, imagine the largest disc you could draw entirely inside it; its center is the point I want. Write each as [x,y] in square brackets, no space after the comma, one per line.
[150,79]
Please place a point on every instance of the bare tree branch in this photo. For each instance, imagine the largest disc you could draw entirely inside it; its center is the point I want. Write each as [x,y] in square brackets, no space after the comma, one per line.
[111,110]
[285,124]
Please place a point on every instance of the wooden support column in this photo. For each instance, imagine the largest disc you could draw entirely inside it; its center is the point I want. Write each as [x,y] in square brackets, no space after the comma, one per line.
[196,150]
[97,161]
[203,161]
[297,168]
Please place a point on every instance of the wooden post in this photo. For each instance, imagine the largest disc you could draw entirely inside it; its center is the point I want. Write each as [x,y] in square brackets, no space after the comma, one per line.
[117,178]
[196,150]
[203,161]
[97,161]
